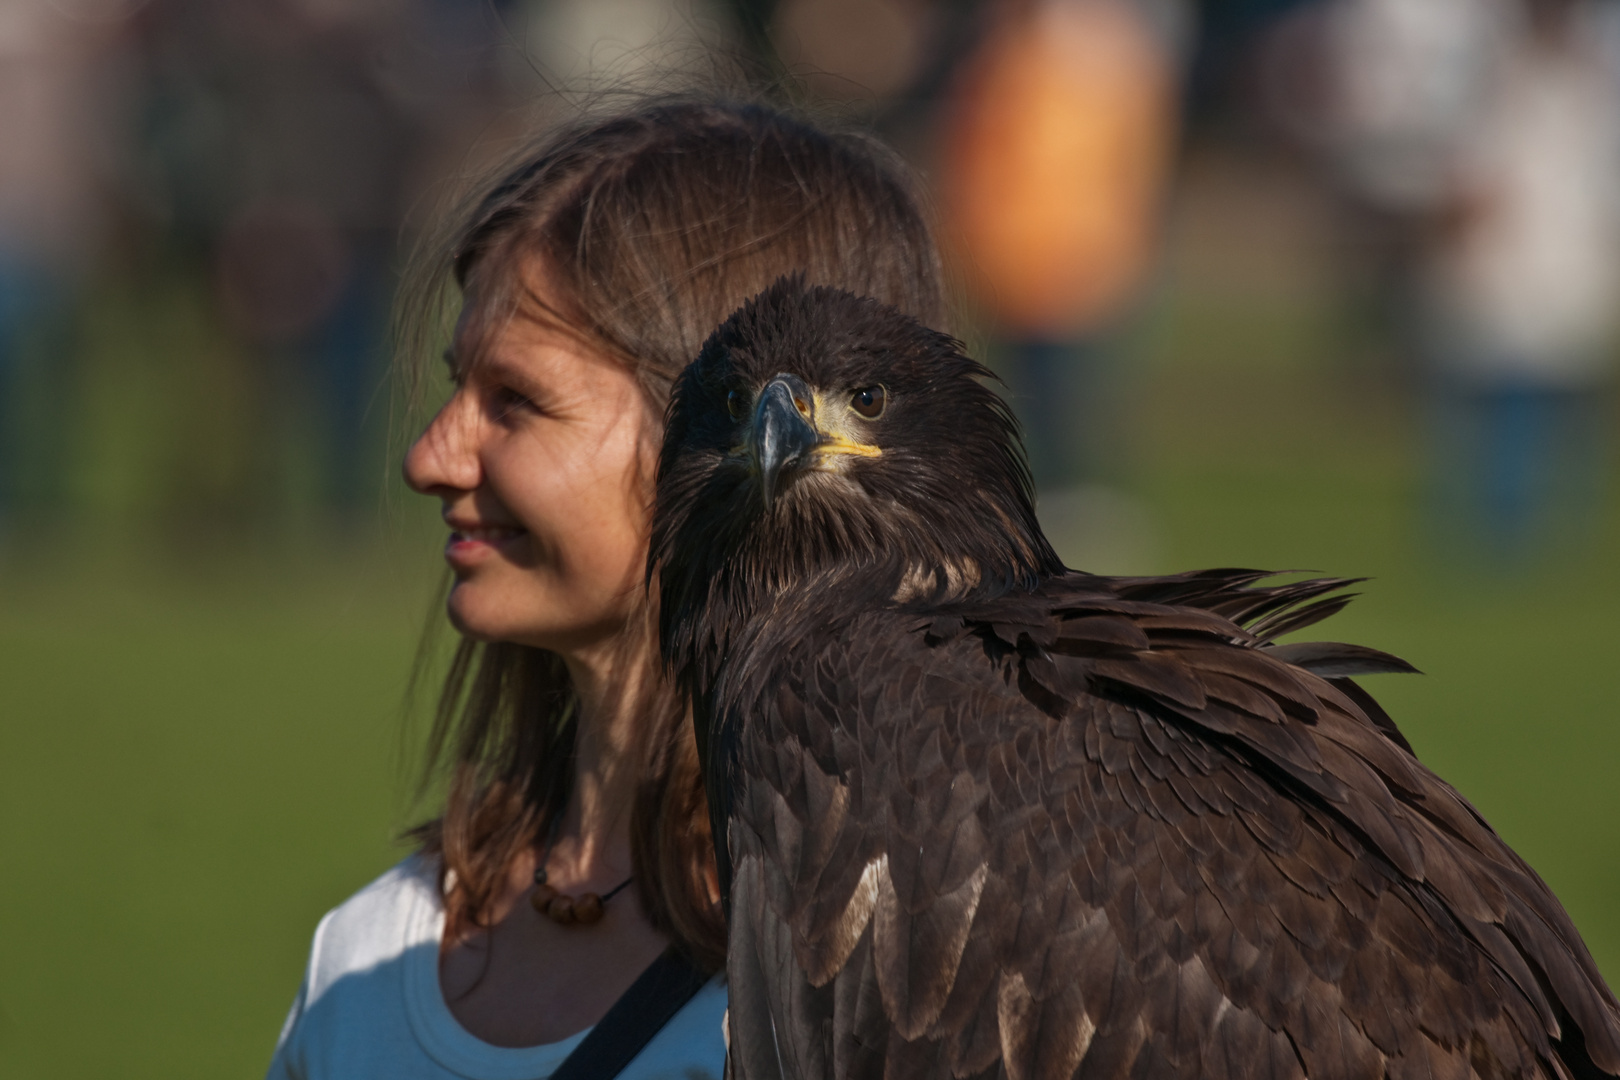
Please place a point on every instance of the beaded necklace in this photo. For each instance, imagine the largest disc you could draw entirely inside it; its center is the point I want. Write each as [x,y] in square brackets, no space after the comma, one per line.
[559,907]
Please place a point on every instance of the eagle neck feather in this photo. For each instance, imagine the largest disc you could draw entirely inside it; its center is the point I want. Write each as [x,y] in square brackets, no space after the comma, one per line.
[725,607]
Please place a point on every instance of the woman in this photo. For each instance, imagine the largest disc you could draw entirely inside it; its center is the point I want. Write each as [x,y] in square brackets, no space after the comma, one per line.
[573,847]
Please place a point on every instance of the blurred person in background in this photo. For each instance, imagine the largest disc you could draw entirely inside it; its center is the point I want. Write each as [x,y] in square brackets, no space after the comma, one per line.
[280,144]
[1057,146]
[52,118]
[572,851]
[1521,288]
[1479,144]
[1404,81]
[588,45]
[1386,90]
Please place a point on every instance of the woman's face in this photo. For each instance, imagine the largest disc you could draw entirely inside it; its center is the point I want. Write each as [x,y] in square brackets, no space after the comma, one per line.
[543,460]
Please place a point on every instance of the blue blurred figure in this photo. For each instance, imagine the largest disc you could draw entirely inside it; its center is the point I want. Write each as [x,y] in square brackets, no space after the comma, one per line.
[52,89]
[281,145]
[1480,141]
[1521,284]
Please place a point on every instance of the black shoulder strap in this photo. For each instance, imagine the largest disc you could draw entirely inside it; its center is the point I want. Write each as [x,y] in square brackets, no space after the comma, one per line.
[640,1013]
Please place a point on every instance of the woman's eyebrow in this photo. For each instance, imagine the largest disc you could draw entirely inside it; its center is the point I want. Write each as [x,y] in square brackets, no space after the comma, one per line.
[498,369]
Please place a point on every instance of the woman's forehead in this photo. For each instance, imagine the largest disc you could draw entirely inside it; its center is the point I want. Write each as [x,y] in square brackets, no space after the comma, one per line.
[521,305]
[537,348]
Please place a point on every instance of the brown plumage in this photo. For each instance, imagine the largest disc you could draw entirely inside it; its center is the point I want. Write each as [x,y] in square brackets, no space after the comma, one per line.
[983,816]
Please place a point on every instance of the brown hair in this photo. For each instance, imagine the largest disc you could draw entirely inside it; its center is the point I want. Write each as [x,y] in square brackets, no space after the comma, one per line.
[652,226]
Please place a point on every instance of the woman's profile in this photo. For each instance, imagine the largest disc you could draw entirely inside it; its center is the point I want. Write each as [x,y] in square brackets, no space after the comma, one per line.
[572,850]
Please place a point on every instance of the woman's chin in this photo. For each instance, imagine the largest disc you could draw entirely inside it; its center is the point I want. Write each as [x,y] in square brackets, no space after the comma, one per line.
[485,608]
[482,617]
[474,617]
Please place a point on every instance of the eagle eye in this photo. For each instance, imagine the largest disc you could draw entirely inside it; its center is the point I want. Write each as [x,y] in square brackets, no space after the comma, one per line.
[736,405]
[869,401]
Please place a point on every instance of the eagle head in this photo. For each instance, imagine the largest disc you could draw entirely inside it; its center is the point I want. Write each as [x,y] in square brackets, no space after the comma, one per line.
[818,437]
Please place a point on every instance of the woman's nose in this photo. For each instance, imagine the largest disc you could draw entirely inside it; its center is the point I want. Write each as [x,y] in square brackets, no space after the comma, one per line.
[445,456]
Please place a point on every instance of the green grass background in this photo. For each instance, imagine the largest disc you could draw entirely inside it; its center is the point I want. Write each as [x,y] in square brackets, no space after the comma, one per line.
[204,747]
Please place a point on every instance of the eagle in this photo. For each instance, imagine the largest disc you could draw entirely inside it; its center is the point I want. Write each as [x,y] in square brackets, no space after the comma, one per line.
[980,815]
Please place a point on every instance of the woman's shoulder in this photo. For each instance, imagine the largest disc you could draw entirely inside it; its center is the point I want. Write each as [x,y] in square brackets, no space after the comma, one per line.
[349,1017]
[375,924]
[378,923]
[691,1045]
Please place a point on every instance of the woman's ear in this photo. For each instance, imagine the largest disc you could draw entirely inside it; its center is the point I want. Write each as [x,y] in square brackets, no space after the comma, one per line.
[650,443]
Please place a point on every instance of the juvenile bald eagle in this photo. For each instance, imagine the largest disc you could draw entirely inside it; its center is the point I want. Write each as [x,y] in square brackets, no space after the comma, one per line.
[979,815]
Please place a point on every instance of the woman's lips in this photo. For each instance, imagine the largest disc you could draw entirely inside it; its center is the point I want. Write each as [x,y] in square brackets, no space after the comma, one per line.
[467,547]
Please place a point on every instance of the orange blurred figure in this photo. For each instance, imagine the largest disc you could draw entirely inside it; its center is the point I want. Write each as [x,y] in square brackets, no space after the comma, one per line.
[1057,144]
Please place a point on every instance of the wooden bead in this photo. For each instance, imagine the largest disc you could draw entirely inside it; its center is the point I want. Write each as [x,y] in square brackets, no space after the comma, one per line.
[588,908]
[565,910]
[541,897]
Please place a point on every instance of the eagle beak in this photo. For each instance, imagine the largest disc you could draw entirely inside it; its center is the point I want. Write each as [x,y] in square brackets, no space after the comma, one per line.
[784,434]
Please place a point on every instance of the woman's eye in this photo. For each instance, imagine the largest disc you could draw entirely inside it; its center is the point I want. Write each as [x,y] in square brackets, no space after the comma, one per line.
[508,401]
[736,405]
[869,401]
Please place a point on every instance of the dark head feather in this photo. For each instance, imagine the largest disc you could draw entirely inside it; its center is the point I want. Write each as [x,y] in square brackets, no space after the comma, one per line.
[944,507]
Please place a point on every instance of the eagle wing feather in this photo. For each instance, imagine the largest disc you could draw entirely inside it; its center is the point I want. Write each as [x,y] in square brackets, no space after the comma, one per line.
[1103,831]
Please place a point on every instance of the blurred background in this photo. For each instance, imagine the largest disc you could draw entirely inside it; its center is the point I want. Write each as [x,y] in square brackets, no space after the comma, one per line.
[1303,284]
